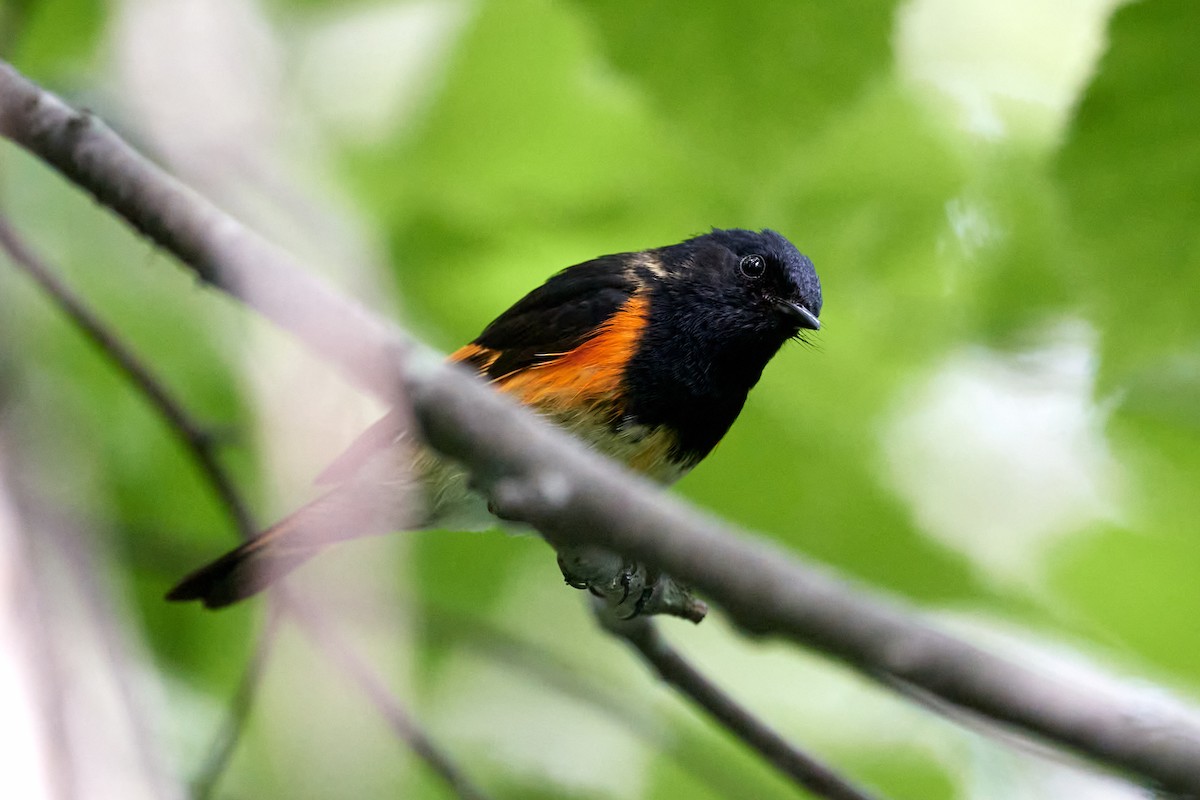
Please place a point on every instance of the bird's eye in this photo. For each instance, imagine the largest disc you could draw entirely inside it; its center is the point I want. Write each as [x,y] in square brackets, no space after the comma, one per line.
[753,266]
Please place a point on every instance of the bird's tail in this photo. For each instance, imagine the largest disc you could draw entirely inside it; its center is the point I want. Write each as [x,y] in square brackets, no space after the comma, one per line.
[248,569]
[255,565]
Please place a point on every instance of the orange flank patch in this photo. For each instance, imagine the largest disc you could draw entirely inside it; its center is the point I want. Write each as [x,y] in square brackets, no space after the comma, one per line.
[590,373]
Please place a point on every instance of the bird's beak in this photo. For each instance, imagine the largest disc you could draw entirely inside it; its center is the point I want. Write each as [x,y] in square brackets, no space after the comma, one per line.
[799,314]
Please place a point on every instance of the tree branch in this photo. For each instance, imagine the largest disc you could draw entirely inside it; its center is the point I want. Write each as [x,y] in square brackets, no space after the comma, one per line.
[308,617]
[539,475]
[330,641]
[226,740]
[675,670]
[193,437]
[550,670]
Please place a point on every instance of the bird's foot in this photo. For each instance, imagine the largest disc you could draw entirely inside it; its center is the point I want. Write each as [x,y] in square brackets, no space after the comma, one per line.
[626,588]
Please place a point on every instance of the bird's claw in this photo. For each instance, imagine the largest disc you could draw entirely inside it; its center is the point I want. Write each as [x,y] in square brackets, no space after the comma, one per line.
[572,580]
[626,588]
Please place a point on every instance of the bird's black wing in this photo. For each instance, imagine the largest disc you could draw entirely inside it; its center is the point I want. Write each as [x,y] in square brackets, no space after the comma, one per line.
[553,319]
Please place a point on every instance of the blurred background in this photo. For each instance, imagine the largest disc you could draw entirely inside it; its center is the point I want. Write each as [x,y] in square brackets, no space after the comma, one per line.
[998,423]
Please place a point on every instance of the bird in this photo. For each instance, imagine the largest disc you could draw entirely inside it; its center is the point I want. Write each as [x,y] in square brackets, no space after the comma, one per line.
[648,357]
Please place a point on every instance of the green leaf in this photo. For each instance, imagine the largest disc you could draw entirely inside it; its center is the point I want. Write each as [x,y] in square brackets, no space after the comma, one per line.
[1130,174]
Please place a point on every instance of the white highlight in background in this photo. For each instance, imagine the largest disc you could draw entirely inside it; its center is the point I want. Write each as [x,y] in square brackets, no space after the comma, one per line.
[1001,63]
[1001,456]
[23,758]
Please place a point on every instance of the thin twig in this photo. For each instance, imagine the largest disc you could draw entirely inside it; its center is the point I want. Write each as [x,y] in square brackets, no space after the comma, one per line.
[29,599]
[192,436]
[85,631]
[226,740]
[534,473]
[983,726]
[327,638]
[819,778]
[179,420]
[550,670]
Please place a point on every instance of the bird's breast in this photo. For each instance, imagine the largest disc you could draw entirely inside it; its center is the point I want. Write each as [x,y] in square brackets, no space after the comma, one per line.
[652,451]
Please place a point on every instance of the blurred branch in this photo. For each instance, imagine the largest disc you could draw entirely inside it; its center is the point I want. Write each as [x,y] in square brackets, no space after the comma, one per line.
[549,669]
[540,476]
[192,436]
[327,639]
[24,613]
[198,443]
[676,671]
[983,726]
[319,630]
[99,721]
[115,655]
[226,740]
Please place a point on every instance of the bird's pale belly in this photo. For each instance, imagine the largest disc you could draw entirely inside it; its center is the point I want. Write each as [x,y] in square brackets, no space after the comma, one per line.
[454,505]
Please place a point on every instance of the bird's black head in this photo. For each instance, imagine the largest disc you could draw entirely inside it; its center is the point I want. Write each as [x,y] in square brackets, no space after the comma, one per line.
[721,305]
[755,280]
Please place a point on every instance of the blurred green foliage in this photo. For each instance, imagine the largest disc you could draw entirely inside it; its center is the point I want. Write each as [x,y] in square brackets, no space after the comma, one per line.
[50,37]
[1129,175]
[557,131]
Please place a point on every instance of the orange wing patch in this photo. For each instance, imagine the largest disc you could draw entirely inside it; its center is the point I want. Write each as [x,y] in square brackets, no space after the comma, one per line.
[478,357]
[590,373]
[581,391]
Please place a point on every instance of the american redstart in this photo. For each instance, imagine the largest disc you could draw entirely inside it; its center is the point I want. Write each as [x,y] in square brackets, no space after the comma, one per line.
[646,356]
